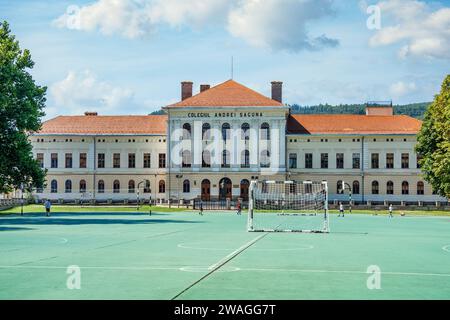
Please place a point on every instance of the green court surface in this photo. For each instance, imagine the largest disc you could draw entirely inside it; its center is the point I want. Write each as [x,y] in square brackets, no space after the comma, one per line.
[182,255]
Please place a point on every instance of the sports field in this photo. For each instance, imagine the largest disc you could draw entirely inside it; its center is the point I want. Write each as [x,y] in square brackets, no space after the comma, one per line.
[182,255]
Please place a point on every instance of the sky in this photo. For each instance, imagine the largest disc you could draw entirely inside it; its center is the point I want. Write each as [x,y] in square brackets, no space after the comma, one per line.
[129,56]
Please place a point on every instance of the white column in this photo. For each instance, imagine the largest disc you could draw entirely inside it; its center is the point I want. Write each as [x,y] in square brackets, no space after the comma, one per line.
[282,145]
[253,144]
[196,138]
[275,144]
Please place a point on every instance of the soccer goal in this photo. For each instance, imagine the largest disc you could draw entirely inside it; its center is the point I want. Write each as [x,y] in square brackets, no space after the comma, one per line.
[288,206]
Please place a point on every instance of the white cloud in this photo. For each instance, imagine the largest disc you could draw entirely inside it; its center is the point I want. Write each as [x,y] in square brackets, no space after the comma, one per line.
[278,24]
[82,91]
[400,89]
[413,24]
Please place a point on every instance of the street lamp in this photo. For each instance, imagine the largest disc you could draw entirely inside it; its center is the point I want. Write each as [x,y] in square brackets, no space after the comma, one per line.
[344,184]
[21,198]
[137,194]
[178,176]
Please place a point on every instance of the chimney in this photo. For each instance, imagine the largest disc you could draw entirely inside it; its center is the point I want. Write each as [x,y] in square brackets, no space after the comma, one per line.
[90,113]
[379,108]
[277,91]
[204,87]
[186,90]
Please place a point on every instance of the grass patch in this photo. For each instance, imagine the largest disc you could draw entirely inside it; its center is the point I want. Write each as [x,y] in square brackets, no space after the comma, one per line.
[33,208]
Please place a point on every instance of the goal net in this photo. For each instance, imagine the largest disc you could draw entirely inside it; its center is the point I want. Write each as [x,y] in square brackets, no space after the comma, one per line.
[288,206]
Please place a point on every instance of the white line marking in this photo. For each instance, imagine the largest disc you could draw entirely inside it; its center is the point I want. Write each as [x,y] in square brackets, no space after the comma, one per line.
[346,271]
[203,268]
[224,259]
[304,247]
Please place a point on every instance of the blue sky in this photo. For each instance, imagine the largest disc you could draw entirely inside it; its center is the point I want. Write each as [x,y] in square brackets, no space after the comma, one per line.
[129,56]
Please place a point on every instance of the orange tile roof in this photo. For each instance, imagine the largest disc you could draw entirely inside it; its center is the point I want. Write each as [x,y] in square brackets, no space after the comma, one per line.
[90,125]
[352,124]
[229,94]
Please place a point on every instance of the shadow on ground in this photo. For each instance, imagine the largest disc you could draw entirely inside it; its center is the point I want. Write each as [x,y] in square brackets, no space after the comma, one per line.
[42,220]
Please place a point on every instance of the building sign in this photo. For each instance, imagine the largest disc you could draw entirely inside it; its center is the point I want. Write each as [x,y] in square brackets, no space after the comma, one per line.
[224,114]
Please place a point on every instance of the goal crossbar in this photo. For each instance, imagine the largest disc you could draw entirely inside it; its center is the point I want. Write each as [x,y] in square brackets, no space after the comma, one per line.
[288,206]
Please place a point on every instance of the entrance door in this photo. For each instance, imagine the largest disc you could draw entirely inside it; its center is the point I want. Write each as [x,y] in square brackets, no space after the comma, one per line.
[245,184]
[206,190]
[225,189]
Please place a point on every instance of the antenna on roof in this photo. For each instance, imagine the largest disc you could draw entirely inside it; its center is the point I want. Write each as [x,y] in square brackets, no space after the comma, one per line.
[232,65]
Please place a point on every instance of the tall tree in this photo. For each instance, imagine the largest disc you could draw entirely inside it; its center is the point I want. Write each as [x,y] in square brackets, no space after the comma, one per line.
[434,142]
[21,109]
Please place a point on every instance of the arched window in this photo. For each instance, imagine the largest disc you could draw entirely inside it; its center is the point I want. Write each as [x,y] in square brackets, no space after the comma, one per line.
[355,187]
[54,186]
[339,187]
[265,131]
[389,187]
[245,131]
[116,186]
[82,186]
[206,159]
[162,186]
[101,186]
[68,186]
[226,131]
[265,159]
[186,159]
[147,188]
[186,131]
[420,188]
[186,186]
[405,187]
[206,131]
[131,186]
[375,187]
[225,159]
[245,159]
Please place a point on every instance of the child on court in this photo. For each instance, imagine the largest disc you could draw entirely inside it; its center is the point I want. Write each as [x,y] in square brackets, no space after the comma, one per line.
[341,209]
[201,208]
[390,211]
[48,206]
[239,208]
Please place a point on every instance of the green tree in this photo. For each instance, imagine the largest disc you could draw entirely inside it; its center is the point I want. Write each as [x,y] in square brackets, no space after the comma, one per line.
[21,109]
[434,142]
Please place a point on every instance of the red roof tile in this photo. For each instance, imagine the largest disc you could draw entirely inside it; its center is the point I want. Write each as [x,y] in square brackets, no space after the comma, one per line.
[229,94]
[154,124]
[352,124]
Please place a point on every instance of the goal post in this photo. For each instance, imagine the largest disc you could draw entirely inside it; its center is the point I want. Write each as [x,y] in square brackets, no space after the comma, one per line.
[288,206]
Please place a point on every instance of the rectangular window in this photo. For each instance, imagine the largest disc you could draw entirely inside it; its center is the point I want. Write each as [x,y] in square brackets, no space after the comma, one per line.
[308,160]
[101,160]
[405,160]
[40,159]
[375,161]
[83,160]
[339,161]
[131,160]
[324,160]
[147,161]
[292,161]
[116,160]
[162,160]
[356,162]
[68,160]
[54,160]
[418,159]
[389,161]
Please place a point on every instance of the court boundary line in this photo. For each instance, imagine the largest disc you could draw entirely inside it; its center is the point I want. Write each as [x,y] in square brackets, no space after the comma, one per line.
[216,266]
[143,268]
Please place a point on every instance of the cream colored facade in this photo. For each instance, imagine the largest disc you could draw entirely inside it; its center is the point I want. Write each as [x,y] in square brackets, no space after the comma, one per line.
[243,143]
